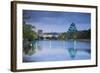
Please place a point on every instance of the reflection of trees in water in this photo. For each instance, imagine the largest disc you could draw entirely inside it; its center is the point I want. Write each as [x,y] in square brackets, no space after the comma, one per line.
[85,50]
[31,47]
[72,50]
[28,47]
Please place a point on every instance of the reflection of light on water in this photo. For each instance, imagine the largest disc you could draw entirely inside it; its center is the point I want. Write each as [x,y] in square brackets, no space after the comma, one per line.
[36,46]
[64,44]
[50,43]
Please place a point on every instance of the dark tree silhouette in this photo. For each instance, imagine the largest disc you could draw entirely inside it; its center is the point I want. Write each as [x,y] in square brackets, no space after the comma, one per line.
[72,31]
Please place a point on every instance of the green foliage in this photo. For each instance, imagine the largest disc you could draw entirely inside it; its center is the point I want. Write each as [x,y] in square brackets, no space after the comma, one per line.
[28,37]
[28,33]
[71,34]
[62,36]
[85,34]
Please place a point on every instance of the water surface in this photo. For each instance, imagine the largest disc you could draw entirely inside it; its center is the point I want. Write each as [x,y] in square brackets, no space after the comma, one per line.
[59,50]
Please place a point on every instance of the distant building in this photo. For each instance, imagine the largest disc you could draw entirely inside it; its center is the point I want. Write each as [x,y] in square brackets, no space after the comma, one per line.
[40,33]
[53,34]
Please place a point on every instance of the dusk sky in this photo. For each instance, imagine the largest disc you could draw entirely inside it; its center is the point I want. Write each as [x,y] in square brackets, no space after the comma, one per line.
[52,21]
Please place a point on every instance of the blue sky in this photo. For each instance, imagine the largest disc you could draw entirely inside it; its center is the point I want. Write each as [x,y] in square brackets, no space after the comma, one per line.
[52,21]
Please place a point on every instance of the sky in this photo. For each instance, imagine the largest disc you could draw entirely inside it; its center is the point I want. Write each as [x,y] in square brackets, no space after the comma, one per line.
[52,21]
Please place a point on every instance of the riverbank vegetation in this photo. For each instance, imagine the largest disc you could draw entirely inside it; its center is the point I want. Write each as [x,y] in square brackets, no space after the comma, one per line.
[29,39]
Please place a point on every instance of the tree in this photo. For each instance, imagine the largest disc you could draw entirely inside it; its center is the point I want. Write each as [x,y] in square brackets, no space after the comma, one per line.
[29,39]
[72,31]
[28,33]
[62,36]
